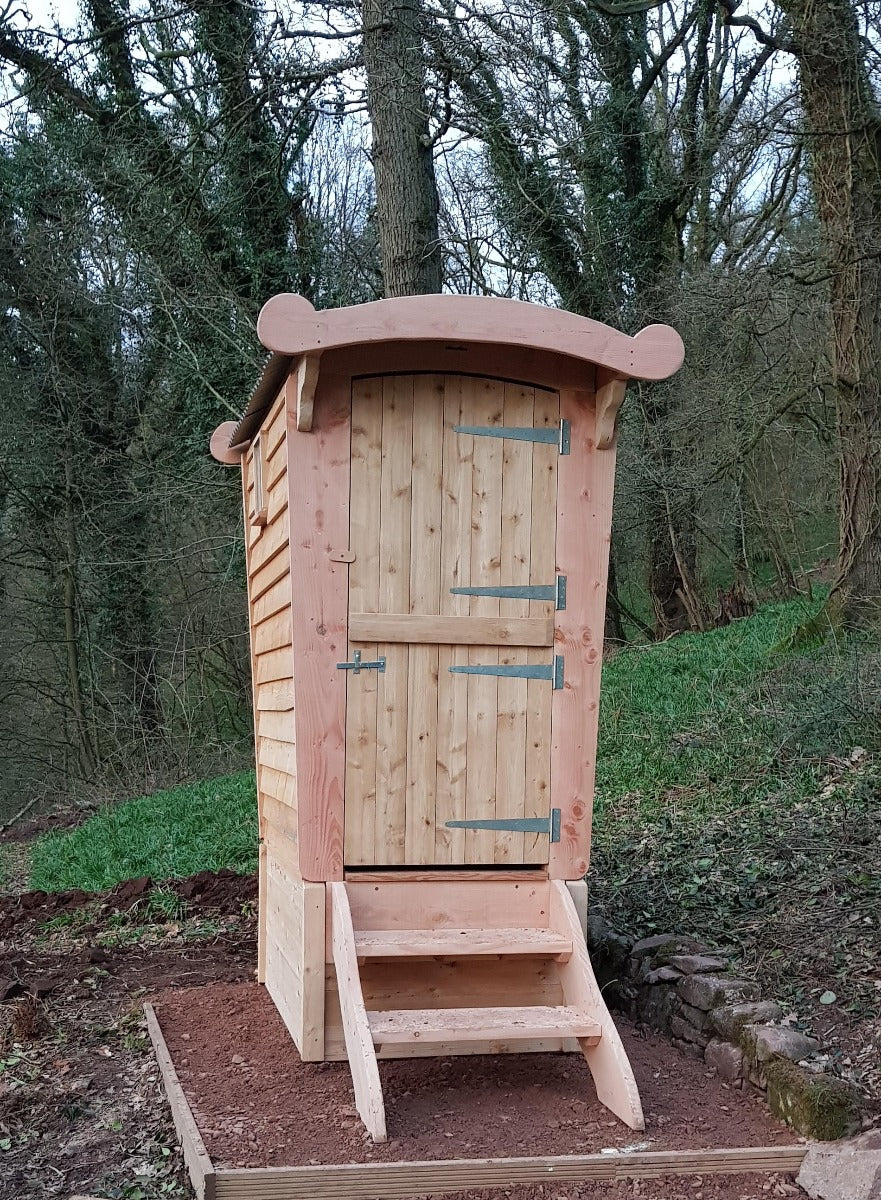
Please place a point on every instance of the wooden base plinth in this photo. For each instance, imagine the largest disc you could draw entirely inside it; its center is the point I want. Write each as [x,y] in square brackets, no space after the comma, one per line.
[366,1181]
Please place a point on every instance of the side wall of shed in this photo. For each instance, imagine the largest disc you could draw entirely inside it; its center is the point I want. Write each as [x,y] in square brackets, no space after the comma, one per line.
[291,913]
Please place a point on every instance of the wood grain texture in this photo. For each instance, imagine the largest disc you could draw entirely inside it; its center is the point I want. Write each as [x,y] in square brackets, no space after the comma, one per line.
[267,538]
[274,697]
[276,568]
[609,398]
[433,509]
[274,665]
[461,631]
[543,569]
[455,571]
[401,1180]
[402,1026]
[199,1165]
[273,632]
[275,599]
[364,574]
[454,943]
[295,937]
[318,489]
[482,903]
[514,557]
[426,499]
[607,1059]
[221,450]
[359,1042]
[483,403]
[300,390]
[285,325]
[586,482]
[394,596]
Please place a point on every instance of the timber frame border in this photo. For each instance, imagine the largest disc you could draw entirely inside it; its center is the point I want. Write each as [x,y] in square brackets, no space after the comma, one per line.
[376,1181]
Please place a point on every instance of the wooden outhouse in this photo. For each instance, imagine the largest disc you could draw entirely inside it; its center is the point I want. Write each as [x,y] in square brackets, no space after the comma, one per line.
[428,493]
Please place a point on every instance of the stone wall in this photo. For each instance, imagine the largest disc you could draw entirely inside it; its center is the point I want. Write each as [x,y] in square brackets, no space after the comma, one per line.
[680,987]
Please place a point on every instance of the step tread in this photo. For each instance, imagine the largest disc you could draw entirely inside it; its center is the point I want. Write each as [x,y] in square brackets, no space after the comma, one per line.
[413,943]
[480,1024]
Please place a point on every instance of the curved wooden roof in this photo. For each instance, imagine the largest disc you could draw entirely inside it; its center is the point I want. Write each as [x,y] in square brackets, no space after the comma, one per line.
[295,332]
[289,325]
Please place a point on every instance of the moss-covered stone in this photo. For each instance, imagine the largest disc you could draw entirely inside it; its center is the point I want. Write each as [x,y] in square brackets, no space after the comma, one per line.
[815,1105]
[729,1019]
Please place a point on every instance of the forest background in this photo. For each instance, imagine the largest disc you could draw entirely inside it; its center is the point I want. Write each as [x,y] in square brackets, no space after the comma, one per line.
[168,165]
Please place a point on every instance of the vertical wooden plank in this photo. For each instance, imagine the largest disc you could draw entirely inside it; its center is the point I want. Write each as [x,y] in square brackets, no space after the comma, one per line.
[586,483]
[608,1062]
[362,690]
[542,570]
[394,596]
[318,498]
[262,912]
[425,545]
[515,555]
[485,399]
[452,690]
[359,1042]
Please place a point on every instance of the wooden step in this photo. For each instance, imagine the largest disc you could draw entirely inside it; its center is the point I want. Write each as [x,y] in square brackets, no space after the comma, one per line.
[457,943]
[406,1026]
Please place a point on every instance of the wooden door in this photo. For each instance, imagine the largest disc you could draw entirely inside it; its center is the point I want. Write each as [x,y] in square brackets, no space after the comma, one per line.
[454,729]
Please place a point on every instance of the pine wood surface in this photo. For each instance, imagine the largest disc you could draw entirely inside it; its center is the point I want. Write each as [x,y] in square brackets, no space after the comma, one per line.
[433,509]
[318,484]
[356,1027]
[586,481]
[433,904]
[400,1026]
[294,972]
[289,324]
[452,943]
[606,1058]
[385,1181]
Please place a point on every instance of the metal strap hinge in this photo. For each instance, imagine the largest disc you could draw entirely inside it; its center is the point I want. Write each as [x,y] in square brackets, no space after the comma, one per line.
[555,591]
[558,436]
[356,666]
[549,825]
[552,671]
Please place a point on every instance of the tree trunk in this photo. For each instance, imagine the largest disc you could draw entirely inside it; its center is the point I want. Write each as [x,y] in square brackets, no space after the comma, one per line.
[86,752]
[403,160]
[844,131]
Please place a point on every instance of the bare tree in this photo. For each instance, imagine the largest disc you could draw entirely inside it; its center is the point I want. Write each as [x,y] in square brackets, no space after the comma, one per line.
[843,136]
[402,147]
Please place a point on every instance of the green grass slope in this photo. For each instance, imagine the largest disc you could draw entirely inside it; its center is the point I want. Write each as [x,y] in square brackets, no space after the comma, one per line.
[738,791]
[737,800]
[201,826]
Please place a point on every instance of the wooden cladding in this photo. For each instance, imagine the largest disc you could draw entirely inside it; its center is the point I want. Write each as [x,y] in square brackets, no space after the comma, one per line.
[464,631]
[432,509]
[259,513]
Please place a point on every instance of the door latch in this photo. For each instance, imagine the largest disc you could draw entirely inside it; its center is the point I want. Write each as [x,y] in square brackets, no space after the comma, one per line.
[357,666]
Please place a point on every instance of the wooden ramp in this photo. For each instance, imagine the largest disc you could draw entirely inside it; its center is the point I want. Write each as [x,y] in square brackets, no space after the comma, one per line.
[579,1019]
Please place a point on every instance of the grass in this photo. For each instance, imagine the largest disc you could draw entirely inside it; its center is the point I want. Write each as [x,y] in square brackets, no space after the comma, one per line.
[172,834]
[671,713]
[737,799]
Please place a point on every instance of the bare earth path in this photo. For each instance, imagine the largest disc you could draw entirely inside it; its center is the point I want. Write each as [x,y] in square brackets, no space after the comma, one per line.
[81,1104]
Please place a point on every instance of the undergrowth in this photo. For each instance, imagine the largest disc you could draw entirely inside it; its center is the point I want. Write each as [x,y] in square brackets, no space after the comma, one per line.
[738,801]
[172,834]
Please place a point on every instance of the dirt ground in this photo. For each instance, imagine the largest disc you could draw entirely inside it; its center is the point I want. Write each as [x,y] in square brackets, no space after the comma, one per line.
[81,1102]
[234,1057]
